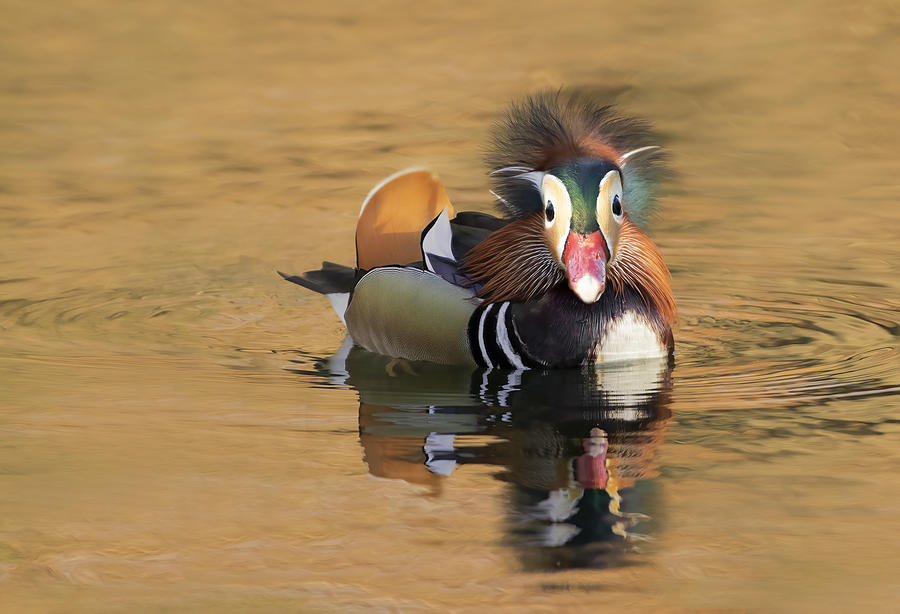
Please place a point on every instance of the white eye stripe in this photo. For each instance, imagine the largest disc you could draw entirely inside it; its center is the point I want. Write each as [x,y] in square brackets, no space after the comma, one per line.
[610,197]
[555,195]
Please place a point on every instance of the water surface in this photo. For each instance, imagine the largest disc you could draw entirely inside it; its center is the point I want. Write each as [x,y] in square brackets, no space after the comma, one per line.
[182,430]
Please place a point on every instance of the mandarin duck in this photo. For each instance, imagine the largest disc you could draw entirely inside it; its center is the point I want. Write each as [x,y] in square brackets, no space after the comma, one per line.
[566,277]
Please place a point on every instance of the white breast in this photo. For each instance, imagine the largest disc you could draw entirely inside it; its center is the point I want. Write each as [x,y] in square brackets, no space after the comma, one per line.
[629,337]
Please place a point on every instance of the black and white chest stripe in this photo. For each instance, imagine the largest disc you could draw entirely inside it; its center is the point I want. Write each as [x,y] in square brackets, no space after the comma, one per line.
[493,340]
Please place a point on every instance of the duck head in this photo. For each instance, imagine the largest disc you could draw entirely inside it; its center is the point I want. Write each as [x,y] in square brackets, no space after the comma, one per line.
[576,234]
[561,165]
[583,214]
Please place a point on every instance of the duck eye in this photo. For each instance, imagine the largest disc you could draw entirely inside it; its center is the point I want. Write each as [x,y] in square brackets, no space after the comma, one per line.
[549,211]
[616,206]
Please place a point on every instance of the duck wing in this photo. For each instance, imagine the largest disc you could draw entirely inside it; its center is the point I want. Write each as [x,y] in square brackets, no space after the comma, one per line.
[412,313]
[398,301]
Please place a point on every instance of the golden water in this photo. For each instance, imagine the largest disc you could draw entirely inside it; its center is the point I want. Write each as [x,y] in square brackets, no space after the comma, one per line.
[174,438]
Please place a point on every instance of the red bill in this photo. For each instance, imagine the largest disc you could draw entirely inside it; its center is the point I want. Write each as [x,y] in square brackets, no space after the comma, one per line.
[585,257]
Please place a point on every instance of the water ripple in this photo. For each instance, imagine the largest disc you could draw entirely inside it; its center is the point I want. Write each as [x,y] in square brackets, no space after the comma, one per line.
[793,348]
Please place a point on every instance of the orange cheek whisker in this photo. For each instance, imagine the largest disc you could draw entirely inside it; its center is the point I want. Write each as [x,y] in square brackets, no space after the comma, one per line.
[639,264]
[514,262]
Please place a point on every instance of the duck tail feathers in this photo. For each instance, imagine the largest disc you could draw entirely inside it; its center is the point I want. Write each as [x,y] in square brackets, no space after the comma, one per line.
[335,281]
[330,279]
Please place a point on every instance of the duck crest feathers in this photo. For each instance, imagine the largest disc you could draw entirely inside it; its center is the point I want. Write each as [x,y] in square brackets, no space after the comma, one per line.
[550,128]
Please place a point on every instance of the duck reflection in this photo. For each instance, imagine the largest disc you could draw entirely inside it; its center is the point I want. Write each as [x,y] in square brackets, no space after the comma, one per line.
[576,447]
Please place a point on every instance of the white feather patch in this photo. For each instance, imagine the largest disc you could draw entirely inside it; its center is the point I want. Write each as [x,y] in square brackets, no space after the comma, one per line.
[484,353]
[628,154]
[339,301]
[503,338]
[629,337]
[437,241]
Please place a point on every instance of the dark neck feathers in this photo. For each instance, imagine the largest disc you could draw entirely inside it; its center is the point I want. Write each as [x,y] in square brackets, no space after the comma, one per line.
[560,330]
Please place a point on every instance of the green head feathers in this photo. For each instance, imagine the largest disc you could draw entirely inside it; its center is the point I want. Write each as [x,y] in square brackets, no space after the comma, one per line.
[582,179]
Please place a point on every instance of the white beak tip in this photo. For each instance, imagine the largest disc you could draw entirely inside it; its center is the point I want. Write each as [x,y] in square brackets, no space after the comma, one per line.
[588,288]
